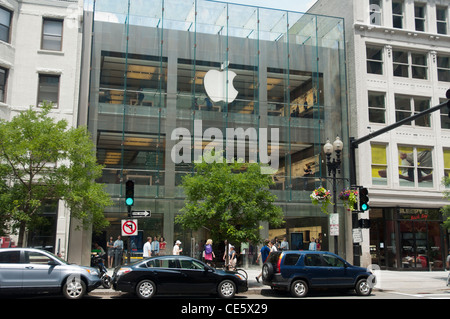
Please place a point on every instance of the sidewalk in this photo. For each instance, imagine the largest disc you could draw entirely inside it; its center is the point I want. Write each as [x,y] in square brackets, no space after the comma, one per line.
[408,282]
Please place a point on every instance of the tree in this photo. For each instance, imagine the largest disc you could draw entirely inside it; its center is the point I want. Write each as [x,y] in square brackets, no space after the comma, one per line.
[42,160]
[229,199]
[446,209]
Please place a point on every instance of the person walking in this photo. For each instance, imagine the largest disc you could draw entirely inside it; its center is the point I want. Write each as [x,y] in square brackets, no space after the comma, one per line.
[209,253]
[162,246]
[263,254]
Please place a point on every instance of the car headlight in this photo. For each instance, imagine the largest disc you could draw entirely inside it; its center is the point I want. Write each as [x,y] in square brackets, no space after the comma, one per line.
[92,272]
[240,277]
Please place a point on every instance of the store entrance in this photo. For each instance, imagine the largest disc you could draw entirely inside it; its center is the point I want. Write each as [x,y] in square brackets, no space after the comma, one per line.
[420,245]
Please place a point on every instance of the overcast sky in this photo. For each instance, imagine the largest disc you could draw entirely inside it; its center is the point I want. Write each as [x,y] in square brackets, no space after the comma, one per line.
[291,5]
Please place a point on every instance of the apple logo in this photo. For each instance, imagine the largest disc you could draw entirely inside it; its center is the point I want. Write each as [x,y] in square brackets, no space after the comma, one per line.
[219,85]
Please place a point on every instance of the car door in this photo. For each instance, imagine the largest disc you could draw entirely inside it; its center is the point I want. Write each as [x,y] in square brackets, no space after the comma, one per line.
[167,274]
[195,278]
[337,272]
[11,270]
[38,273]
[315,271]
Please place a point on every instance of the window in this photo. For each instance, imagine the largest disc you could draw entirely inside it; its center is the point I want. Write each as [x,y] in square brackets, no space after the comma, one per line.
[397,14]
[191,264]
[419,16]
[407,65]
[415,166]
[10,257]
[5,24]
[443,68]
[52,35]
[313,260]
[333,261]
[37,258]
[445,120]
[375,12]
[377,107]
[3,79]
[446,162]
[406,106]
[379,164]
[48,89]
[291,259]
[374,60]
[441,20]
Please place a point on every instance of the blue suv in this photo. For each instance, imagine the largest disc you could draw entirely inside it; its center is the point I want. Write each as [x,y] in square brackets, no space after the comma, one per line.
[299,271]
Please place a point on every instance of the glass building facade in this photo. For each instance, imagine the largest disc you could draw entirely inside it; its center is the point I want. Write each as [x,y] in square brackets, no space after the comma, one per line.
[147,72]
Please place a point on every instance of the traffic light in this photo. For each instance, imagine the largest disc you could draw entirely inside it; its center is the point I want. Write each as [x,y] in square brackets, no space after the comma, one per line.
[129,193]
[363,199]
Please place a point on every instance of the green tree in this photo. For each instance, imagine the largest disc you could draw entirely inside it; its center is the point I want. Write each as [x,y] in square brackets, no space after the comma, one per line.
[41,159]
[229,199]
[446,209]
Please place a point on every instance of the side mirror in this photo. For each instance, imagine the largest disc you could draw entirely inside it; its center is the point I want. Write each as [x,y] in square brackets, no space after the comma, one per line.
[52,262]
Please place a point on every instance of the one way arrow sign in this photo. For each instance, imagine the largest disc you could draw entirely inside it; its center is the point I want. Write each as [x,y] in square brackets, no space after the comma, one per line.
[142,213]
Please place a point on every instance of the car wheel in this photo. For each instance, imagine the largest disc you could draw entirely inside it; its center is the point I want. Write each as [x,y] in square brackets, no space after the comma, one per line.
[299,288]
[267,272]
[363,287]
[145,289]
[106,282]
[74,288]
[226,289]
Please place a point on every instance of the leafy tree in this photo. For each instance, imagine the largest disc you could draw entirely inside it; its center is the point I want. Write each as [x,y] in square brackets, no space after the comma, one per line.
[41,159]
[446,209]
[229,199]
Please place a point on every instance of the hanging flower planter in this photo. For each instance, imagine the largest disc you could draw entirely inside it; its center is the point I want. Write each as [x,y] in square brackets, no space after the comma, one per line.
[321,196]
[349,197]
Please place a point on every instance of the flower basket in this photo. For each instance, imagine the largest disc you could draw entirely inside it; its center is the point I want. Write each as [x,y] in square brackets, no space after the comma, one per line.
[321,196]
[349,197]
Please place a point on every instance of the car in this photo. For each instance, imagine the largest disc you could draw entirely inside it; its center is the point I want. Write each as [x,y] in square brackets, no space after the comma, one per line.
[300,271]
[176,275]
[31,270]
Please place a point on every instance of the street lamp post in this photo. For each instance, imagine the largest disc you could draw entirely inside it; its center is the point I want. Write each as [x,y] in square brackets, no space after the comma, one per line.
[334,165]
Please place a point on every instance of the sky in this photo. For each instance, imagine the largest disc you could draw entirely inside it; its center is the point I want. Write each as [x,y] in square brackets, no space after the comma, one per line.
[291,5]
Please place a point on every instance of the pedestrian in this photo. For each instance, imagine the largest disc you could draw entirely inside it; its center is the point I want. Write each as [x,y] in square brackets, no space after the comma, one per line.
[273,246]
[110,248]
[317,244]
[146,250]
[176,248]
[312,244]
[284,244]
[233,258]
[263,254]
[162,246]
[118,251]
[155,246]
[209,253]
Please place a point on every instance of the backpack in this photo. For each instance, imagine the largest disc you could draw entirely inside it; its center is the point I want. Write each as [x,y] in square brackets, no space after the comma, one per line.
[208,249]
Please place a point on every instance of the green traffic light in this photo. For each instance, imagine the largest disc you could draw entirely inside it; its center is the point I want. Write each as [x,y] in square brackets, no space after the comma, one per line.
[364,207]
[129,201]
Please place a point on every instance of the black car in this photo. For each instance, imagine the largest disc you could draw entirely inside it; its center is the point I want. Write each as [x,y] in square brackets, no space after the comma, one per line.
[298,271]
[176,275]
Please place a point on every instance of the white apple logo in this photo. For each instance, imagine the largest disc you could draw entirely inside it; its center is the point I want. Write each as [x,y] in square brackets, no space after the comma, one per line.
[219,85]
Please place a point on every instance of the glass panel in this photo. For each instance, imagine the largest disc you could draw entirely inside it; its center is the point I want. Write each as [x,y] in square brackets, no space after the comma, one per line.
[52,35]
[377,107]
[402,107]
[379,164]
[48,89]
[425,167]
[422,104]
[406,166]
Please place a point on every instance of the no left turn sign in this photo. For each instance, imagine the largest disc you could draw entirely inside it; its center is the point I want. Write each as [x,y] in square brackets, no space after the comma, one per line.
[129,227]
